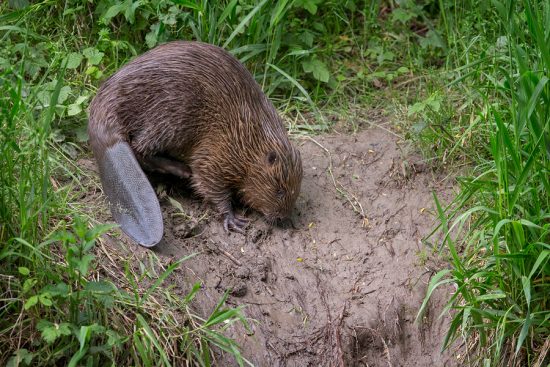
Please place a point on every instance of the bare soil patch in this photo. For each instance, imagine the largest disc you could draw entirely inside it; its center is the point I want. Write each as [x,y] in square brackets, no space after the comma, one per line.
[339,286]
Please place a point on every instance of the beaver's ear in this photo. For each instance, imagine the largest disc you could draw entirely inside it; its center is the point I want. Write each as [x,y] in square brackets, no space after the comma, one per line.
[271,158]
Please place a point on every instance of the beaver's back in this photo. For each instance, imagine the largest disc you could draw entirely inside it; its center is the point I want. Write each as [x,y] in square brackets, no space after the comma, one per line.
[171,96]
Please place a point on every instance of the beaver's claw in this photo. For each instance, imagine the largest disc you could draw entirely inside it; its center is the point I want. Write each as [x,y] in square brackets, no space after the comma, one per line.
[235,223]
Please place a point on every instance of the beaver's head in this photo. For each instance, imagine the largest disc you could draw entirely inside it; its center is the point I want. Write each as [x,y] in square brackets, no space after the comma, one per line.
[273,180]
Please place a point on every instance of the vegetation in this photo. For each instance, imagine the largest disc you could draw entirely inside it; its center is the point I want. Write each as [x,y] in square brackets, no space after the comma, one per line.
[467,80]
[497,229]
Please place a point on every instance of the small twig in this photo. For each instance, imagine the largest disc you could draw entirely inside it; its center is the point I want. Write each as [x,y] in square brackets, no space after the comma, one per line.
[101,242]
[216,249]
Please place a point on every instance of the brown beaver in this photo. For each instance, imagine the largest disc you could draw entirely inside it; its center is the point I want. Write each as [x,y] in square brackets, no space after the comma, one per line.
[193,110]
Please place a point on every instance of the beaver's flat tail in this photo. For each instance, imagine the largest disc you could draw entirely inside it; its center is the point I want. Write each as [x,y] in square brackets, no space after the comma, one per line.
[134,204]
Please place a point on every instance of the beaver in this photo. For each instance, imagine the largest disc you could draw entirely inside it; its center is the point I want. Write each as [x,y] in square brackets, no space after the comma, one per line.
[192,110]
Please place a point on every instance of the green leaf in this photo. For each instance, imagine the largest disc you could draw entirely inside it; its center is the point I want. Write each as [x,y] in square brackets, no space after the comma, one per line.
[31,302]
[222,316]
[543,255]
[98,230]
[524,331]
[50,331]
[74,109]
[60,289]
[45,299]
[93,55]
[278,12]
[403,70]
[114,338]
[152,337]
[418,107]
[526,285]
[193,292]
[112,12]
[434,283]
[318,68]
[433,40]
[23,270]
[81,133]
[22,357]
[84,263]
[491,296]
[151,38]
[73,60]
[63,94]
[29,284]
[130,10]
[164,275]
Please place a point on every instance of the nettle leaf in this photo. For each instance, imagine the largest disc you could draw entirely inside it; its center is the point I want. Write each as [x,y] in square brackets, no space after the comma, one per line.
[83,263]
[73,60]
[318,68]
[93,55]
[60,289]
[50,331]
[22,357]
[151,38]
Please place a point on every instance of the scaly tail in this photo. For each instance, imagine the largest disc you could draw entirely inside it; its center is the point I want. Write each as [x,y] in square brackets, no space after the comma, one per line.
[133,202]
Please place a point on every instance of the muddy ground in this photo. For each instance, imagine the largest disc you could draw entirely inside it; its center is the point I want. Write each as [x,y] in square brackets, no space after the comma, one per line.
[341,283]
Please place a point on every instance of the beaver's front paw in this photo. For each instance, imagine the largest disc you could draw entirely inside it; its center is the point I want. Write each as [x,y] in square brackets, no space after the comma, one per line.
[235,223]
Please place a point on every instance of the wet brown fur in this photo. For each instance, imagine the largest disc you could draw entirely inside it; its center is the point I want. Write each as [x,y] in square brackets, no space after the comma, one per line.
[195,103]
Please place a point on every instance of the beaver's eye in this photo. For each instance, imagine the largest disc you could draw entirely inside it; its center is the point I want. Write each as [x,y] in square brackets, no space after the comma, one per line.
[280,193]
[271,158]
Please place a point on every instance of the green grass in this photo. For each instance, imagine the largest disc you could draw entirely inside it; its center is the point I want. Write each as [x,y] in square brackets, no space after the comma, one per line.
[467,81]
[497,230]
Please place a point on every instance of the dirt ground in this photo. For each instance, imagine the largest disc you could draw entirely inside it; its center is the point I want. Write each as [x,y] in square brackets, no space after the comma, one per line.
[340,284]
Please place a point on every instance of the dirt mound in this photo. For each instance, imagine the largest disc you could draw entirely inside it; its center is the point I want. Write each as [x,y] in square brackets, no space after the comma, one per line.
[339,285]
